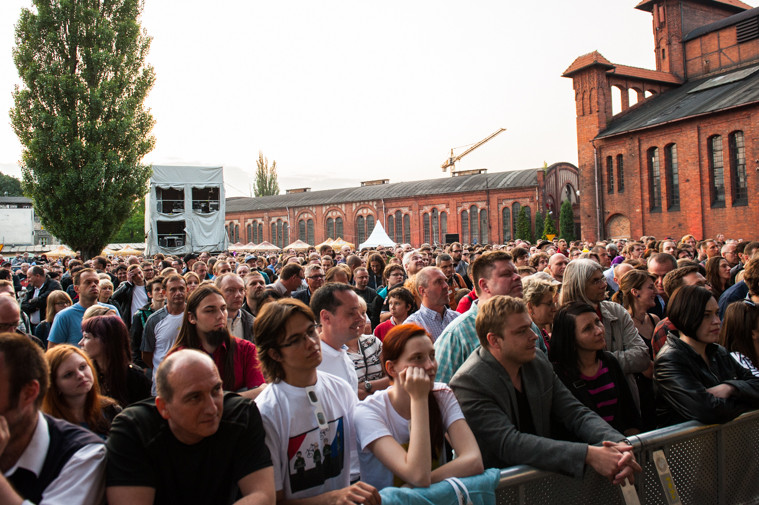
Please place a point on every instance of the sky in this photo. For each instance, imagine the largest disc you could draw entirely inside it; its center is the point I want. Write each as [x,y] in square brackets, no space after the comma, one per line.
[339,92]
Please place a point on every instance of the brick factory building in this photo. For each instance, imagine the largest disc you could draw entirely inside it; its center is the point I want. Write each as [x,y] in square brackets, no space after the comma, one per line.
[478,206]
[684,158]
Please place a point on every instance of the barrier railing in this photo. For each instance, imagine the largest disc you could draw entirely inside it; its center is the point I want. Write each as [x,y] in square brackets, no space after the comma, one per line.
[688,463]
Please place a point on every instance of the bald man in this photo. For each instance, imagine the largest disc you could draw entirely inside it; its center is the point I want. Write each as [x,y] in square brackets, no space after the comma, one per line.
[193,443]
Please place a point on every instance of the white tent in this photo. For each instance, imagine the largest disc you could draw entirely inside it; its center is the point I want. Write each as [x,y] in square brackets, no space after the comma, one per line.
[377,238]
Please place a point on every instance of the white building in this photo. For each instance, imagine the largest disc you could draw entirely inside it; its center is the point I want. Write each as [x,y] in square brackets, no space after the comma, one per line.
[184,210]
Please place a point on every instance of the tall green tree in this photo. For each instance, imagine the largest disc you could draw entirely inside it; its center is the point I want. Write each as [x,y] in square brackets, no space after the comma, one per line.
[10,186]
[566,222]
[133,229]
[548,227]
[266,177]
[80,117]
[523,226]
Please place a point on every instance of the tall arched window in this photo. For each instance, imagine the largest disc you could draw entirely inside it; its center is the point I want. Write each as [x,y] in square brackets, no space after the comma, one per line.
[237,233]
[506,219]
[738,184]
[483,226]
[672,172]
[391,227]
[310,232]
[443,226]
[465,226]
[360,231]
[338,227]
[273,236]
[716,171]
[435,227]
[474,218]
[249,235]
[654,179]
[620,174]
[514,216]
[407,229]
[609,175]
[426,227]
[280,236]
[286,233]
[398,226]
[302,230]
[260,233]
[331,228]
[369,225]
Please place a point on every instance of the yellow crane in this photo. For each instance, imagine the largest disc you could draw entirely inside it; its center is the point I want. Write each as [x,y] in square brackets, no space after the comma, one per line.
[451,161]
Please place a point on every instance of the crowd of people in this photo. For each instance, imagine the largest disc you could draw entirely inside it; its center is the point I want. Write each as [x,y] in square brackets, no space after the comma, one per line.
[328,376]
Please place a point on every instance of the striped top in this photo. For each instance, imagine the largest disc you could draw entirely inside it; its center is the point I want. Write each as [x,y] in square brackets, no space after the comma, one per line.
[603,393]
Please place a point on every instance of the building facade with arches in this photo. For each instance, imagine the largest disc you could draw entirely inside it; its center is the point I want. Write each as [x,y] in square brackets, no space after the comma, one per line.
[672,151]
[480,207]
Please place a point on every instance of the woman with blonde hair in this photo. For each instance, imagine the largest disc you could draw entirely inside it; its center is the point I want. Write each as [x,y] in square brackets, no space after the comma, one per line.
[192,280]
[56,302]
[74,392]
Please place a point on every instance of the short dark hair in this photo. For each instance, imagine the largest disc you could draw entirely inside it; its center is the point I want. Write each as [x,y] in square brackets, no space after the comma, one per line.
[79,273]
[686,308]
[403,295]
[674,279]
[270,329]
[100,260]
[483,266]
[24,362]
[751,276]
[37,270]
[324,298]
[491,315]
[290,270]
[172,278]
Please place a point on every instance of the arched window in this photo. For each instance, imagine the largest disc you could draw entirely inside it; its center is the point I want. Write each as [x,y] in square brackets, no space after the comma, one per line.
[609,175]
[474,218]
[331,228]
[435,227]
[310,232]
[443,226]
[465,226]
[654,179]
[398,226]
[302,229]
[483,226]
[260,233]
[506,219]
[672,171]
[407,229]
[285,234]
[514,216]
[528,215]
[391,227]
[738,184]
[426,227]
[249,235]
[338,227]
[369,225]
[716,171]
[237,233]
[280,236]
[273,237]
[620,174]
[360,232]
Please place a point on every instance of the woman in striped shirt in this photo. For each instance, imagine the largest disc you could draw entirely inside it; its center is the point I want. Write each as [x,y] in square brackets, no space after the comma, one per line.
[592,375]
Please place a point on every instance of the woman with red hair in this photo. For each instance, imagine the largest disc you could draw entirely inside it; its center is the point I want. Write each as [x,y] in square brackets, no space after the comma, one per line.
[401,430]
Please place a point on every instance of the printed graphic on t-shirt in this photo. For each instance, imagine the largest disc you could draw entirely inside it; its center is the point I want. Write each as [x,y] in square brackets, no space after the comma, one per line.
[315,456]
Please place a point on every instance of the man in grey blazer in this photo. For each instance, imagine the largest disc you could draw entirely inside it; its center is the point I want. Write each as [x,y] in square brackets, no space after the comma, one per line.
[510,395]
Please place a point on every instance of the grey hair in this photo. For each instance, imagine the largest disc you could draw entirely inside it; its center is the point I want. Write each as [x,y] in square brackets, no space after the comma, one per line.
[576,276]
[535,288]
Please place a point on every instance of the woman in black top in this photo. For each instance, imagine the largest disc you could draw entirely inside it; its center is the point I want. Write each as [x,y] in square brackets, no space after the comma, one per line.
[105,339]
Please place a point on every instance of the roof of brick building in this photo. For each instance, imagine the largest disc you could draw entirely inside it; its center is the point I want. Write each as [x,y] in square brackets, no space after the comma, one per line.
[444,185]
[722,23]
[694,98]
[648,5]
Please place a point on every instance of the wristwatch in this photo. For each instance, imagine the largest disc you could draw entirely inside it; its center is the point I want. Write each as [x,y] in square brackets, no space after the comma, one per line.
[368,386]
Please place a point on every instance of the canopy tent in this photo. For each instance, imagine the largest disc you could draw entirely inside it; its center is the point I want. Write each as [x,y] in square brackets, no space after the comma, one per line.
[378,238]
[298,245]
[265,247]
[128,251]
[326,242]
[107,252]
[237,246]
[339,242]
[60,252]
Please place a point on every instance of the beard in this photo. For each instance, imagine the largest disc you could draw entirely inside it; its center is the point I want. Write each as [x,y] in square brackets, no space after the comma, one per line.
[217,337]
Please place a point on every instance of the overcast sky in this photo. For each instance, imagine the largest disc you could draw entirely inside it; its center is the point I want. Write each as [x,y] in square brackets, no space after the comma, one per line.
[343,91]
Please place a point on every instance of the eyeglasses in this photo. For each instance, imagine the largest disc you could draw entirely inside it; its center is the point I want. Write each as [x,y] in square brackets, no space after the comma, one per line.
[62,304]
[302,338]
[315,277]
[599,282]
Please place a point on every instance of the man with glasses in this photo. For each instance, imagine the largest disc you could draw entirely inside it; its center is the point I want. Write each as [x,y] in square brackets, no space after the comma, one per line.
[494,274]
[307,413]
[461,265]
[314,280]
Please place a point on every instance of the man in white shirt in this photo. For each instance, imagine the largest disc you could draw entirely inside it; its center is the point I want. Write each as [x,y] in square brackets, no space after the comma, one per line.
[338,311]
[42,459]
[131,295]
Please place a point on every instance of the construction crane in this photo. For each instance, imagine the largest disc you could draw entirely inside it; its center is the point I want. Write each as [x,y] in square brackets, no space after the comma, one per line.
[451,161]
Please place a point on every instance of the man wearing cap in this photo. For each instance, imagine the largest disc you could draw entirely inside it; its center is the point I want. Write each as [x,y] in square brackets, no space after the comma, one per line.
[252,261]
[189,259]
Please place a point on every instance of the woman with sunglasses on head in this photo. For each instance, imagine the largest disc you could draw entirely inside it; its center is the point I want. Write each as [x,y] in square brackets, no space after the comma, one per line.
[56,302]
[105,339]
[401,430]
[74,394]
[696,378]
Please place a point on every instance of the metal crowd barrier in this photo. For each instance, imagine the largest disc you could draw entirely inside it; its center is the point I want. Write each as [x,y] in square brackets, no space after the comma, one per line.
[684,464]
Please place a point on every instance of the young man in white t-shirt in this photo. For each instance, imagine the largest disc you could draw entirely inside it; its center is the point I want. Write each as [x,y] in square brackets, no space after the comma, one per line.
[307,414]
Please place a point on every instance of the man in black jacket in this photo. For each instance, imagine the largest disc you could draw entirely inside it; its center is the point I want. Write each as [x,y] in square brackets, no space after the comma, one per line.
[131,295]
[34,302]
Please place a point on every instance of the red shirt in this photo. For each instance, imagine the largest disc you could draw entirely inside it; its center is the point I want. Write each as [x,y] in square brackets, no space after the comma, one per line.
[383,328]
[247,369]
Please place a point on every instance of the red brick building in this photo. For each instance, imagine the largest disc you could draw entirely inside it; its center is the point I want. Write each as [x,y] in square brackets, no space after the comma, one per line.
[684,158]
[478,206]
